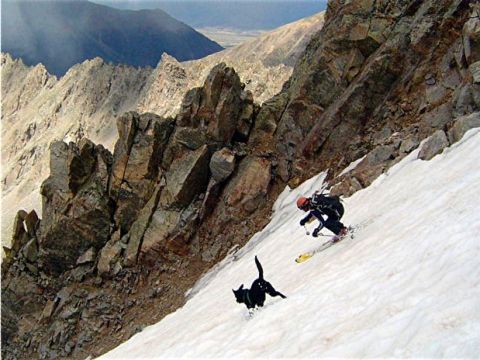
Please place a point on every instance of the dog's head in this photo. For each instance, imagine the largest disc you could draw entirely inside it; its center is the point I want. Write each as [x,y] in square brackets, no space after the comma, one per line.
[239,294]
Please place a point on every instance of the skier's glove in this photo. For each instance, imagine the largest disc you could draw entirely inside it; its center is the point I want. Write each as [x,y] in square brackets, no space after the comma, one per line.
[315,232]
[303,222]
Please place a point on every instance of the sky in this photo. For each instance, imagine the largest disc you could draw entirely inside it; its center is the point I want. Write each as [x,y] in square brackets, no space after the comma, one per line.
[405,286]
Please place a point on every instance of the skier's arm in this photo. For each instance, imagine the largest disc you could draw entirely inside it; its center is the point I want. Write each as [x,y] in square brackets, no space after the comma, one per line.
[306,219]
[319,216]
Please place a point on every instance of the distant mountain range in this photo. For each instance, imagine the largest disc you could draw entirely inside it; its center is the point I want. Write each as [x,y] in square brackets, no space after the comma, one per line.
[60,34]
[234,14]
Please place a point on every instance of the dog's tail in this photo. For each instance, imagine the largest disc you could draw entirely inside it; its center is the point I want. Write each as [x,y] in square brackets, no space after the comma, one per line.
[259,266]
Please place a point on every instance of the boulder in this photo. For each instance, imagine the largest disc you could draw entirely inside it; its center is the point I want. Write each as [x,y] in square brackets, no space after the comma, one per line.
[246,191]
[408,145]
[109,255]
[186,178]
[464,101]
[433,145]
[373,164]
[471,36]
[87,257]
[222,164]
[162,224]
[462,125]
[439,117]
[475,71]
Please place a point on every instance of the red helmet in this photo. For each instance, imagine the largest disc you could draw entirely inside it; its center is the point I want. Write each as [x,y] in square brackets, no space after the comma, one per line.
[302,203]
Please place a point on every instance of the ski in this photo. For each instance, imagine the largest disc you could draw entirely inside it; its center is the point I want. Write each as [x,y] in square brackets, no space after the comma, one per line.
[334,239]
[305,256]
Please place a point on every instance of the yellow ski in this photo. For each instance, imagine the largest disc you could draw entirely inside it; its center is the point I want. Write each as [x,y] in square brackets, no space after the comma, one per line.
[303,257]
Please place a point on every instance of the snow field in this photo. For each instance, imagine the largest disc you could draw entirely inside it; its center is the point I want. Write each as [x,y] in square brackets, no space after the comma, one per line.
[407,285]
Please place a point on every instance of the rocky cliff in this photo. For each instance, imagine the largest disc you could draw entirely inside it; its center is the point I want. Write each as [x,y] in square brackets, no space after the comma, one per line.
[124,235]
[38,108]
[380,77]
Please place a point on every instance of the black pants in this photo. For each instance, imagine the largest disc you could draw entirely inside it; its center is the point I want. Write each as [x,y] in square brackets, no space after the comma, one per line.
[333,222]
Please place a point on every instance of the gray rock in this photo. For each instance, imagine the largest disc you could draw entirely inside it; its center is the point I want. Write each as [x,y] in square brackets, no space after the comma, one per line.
[463,101]
[190,138]
[381,136]
[435,94]
[462,125]
[408,145]
[108,256]
[30,251]
[439,117]
[222,164]
[475,71]
[433,145]
[246,191]
[87,257]
[471,34]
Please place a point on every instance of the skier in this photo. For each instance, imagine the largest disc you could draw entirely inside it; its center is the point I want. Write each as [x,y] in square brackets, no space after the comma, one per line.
[319,205]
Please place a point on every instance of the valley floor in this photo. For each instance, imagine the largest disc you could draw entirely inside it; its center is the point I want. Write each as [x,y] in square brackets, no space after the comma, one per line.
[228,37]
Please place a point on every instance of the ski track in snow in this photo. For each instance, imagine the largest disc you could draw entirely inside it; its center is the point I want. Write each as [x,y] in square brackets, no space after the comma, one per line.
[407,285]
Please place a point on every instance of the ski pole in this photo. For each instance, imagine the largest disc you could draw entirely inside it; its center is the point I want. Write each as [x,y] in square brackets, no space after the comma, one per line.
[306,230]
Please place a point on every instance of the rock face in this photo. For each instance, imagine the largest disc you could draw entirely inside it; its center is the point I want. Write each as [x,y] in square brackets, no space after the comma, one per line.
[372,77]
[76,205]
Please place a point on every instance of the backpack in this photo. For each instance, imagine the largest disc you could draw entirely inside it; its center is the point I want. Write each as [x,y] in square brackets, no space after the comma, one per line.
[328,203]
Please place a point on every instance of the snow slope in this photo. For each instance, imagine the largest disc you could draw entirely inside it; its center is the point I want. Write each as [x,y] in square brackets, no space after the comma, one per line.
[407,285]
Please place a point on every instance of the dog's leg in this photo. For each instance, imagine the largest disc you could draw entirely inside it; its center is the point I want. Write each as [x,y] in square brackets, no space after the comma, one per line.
[270,290]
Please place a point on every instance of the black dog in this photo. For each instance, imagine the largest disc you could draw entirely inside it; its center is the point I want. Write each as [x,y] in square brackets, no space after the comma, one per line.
[255,296]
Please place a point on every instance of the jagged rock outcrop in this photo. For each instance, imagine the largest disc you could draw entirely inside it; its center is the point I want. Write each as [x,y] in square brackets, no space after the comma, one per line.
[76,208]
[38,108]
[106,215]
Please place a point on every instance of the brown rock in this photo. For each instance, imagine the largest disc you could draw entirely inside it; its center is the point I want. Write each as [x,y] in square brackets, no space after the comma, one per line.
[136,164]
[220,107]
[135,235]
[250,185]
[20,236]
[31,223]
[108,256]
[187,177]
